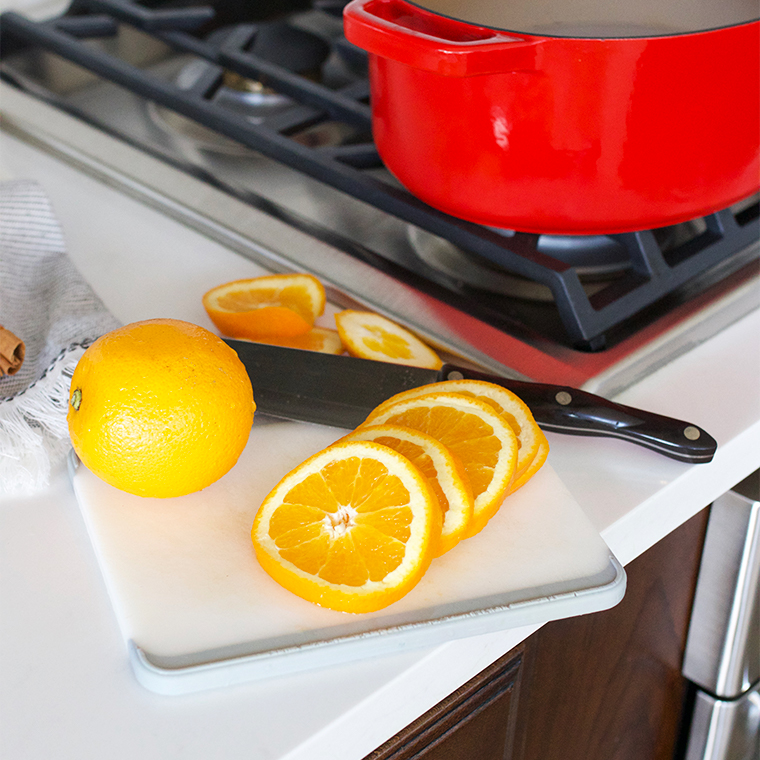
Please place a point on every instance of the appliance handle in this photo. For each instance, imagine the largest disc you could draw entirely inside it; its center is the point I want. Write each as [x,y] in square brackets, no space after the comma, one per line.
[401,32]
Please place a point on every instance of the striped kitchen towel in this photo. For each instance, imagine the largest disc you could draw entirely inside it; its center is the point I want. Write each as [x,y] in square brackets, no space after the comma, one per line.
[48,305]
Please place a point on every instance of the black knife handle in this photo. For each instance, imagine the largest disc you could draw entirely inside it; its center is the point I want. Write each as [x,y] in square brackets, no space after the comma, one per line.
[561,409]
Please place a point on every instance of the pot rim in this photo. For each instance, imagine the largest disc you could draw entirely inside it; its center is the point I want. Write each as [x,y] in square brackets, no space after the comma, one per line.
[600,37]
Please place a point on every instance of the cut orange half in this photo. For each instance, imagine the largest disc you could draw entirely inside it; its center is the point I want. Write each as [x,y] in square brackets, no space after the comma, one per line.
[280,305]
[371,336]
[352,528]
[320,339]
[474,433]
[512,408]
[444,473]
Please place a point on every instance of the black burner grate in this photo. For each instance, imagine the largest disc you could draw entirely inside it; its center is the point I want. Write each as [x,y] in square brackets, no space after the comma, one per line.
[586,318]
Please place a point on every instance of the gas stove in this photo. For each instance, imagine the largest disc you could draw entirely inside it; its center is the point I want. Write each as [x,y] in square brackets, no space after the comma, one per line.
[251,123]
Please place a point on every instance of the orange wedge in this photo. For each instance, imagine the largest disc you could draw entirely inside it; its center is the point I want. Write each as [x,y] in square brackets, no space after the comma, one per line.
[474,433]
[352,528]
[320,339]
[444,473]
[512,408]
[370,336]
[280,305]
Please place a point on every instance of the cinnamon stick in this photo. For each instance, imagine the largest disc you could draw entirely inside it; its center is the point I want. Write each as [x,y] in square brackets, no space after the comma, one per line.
[12,351]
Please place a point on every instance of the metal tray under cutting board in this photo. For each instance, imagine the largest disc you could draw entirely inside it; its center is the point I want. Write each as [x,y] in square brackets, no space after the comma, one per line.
[198,612]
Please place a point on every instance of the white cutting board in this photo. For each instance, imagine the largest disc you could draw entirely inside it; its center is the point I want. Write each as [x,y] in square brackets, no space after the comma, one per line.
[198,611]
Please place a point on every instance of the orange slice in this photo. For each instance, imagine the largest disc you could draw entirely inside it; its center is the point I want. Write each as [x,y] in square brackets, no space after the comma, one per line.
[474,433]
[538,461]
[371,336]
[352,528]
[320,339]
[281,305]
[512,408]
[444,473]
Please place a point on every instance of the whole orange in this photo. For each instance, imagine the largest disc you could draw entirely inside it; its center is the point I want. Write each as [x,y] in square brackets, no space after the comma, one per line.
[160,408]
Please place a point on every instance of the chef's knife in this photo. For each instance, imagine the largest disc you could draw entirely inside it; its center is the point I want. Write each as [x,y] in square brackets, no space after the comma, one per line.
[342,390]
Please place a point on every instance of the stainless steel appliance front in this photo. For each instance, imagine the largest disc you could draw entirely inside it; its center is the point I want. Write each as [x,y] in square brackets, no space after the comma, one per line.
[723,648]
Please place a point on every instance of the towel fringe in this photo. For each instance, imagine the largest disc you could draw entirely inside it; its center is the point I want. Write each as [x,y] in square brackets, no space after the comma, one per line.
[34,435]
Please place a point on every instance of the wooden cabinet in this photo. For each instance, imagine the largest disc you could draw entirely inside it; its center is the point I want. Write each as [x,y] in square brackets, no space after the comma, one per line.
[481,714]
[606,686]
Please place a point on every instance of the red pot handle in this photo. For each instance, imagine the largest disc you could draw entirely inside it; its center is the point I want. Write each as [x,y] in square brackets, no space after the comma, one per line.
[411,35]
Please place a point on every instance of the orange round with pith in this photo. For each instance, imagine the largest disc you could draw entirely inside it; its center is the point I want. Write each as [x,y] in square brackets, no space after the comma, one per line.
[353,528]
[160,408]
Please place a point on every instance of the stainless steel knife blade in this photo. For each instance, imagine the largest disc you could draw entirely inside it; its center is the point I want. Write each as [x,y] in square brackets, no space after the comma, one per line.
[342,390]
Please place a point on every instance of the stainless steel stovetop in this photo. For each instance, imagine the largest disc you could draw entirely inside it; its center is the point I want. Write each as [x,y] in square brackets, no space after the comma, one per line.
[288,220]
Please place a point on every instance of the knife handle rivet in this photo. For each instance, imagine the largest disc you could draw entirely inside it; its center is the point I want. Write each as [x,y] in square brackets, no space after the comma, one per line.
[454,375]
[563,398]
[692,433]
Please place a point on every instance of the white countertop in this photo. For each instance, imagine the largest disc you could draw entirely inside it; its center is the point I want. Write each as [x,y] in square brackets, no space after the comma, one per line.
[67,688]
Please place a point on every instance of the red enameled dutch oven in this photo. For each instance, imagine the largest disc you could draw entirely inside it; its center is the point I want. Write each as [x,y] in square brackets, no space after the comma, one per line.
[563,128]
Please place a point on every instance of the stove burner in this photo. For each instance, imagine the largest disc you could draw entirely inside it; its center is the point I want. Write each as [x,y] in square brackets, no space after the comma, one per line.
[193,135]
[246,96]
[597,260]
[277,42]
